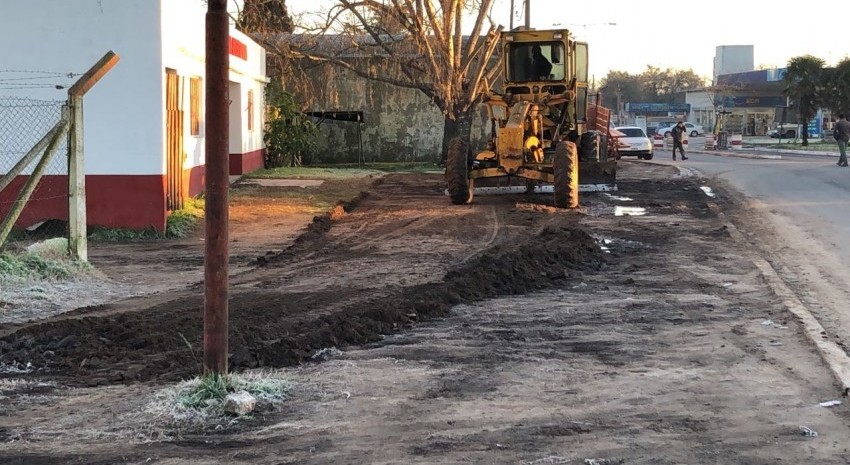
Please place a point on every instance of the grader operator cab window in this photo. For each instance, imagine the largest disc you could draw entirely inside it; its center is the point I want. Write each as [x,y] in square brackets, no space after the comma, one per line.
[535,61]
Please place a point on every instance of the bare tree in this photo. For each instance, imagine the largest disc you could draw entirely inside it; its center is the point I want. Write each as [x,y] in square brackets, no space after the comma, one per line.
[416,44]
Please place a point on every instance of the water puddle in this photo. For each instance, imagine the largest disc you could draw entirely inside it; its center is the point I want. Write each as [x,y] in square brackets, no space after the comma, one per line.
[16,369]
[620,198]
[607,243]
[708,191]
[629,211]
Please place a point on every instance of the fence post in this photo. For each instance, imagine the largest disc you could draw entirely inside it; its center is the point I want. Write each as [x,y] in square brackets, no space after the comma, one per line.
[77,240]
[77,231]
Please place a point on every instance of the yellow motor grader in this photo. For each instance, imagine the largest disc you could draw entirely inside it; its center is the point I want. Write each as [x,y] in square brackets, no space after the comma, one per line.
[542,127]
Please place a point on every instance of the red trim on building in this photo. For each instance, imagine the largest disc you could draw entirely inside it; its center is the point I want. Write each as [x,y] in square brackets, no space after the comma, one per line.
[238,48]
[241,163]
[114,201]
[195,179]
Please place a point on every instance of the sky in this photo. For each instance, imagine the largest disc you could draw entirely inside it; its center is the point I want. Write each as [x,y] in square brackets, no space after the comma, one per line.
[681,35]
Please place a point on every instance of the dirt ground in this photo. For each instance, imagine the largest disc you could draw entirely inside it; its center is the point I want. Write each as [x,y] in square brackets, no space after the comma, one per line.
[635,330]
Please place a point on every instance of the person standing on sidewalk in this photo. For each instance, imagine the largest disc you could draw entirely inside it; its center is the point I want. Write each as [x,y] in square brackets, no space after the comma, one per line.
[842,136]
[678,133]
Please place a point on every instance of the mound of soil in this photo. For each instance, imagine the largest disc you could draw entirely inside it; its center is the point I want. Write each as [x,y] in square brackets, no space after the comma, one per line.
[269,328]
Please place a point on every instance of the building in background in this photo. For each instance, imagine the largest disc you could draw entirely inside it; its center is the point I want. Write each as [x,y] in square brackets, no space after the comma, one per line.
[729,59]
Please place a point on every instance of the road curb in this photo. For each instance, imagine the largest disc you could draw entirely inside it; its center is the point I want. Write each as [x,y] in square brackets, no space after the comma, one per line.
[831,353]
[737,154]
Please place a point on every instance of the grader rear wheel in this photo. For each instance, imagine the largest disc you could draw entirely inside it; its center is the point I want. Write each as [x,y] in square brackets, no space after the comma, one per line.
[457,172]
[589,145]
[565,167]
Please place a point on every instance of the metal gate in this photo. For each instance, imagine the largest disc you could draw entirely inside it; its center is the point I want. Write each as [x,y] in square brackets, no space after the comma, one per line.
[174,155]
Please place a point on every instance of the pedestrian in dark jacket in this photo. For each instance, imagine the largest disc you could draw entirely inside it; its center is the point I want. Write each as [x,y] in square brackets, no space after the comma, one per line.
[841,132]
[678,133]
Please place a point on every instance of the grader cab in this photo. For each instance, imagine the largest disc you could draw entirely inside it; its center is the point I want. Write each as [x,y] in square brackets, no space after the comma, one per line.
[542,129]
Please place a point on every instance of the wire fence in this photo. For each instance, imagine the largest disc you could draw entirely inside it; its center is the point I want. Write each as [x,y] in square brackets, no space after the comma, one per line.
[23,122]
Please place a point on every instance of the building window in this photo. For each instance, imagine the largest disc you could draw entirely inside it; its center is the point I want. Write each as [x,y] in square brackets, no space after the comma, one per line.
[250,110]
[195,90]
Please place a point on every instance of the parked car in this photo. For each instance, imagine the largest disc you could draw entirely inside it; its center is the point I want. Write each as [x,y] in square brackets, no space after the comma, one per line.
[691,129]
[787,130]
[634,142]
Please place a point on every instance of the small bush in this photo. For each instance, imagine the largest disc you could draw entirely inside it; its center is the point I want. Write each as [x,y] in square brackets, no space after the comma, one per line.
[199,403]
[179,224]
[288,133]
[33,266]
[209,389]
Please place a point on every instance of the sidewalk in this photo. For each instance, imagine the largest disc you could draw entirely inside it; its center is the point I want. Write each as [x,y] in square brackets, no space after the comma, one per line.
[759,152]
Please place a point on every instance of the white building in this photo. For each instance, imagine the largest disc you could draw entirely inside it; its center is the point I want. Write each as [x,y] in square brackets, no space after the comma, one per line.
[144,121]
[730,59]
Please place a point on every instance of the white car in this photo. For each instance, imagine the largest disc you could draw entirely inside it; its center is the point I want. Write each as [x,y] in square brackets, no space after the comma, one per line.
[786,131]
[634,142]
[691,129]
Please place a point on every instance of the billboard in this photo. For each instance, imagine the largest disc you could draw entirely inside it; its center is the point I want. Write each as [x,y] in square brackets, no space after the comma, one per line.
[658,107]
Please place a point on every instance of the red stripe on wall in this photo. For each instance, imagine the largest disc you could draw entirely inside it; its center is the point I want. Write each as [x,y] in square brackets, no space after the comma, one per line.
[114,201]
[241,163]
[238,48]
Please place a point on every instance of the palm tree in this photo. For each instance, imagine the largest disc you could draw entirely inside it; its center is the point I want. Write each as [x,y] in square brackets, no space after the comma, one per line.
[838,98]
[805,86]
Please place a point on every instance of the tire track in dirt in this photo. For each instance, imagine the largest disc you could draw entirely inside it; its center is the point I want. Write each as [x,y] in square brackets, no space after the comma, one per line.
[489,241]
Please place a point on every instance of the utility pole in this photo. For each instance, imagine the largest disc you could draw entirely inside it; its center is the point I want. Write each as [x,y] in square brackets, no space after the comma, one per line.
[528,14]
[217,181]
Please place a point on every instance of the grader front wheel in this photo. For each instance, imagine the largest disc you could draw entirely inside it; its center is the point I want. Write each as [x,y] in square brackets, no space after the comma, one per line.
[565,167]
[457,172]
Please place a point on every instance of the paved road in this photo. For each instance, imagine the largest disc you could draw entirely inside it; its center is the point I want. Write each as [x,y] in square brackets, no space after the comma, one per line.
[804,202]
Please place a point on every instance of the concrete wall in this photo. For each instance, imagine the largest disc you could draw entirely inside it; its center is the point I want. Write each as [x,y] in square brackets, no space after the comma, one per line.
[399,124]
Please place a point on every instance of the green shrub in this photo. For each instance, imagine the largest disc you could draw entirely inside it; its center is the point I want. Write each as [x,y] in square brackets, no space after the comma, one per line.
[288,133]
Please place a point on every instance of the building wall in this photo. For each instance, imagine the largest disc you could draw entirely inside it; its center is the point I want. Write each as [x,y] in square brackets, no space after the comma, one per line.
[183,49]
[122,122]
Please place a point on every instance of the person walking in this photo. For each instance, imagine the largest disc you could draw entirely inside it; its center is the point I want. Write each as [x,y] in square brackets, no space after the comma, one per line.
[678,133]
[842,136]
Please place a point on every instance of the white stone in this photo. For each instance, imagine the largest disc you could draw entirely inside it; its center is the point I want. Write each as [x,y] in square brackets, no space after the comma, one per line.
[239,403]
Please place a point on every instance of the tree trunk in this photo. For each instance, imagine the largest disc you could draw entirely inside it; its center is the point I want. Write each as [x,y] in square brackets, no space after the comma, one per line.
[805,130]
[456,126]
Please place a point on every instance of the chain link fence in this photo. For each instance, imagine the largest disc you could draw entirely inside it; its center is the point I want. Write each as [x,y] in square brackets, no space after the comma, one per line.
[23,122]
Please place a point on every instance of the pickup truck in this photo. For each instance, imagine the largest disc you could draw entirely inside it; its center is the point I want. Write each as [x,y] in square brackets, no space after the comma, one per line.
[787,131]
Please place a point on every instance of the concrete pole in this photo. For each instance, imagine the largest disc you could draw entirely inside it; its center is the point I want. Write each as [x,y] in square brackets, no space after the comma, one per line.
[217,153]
